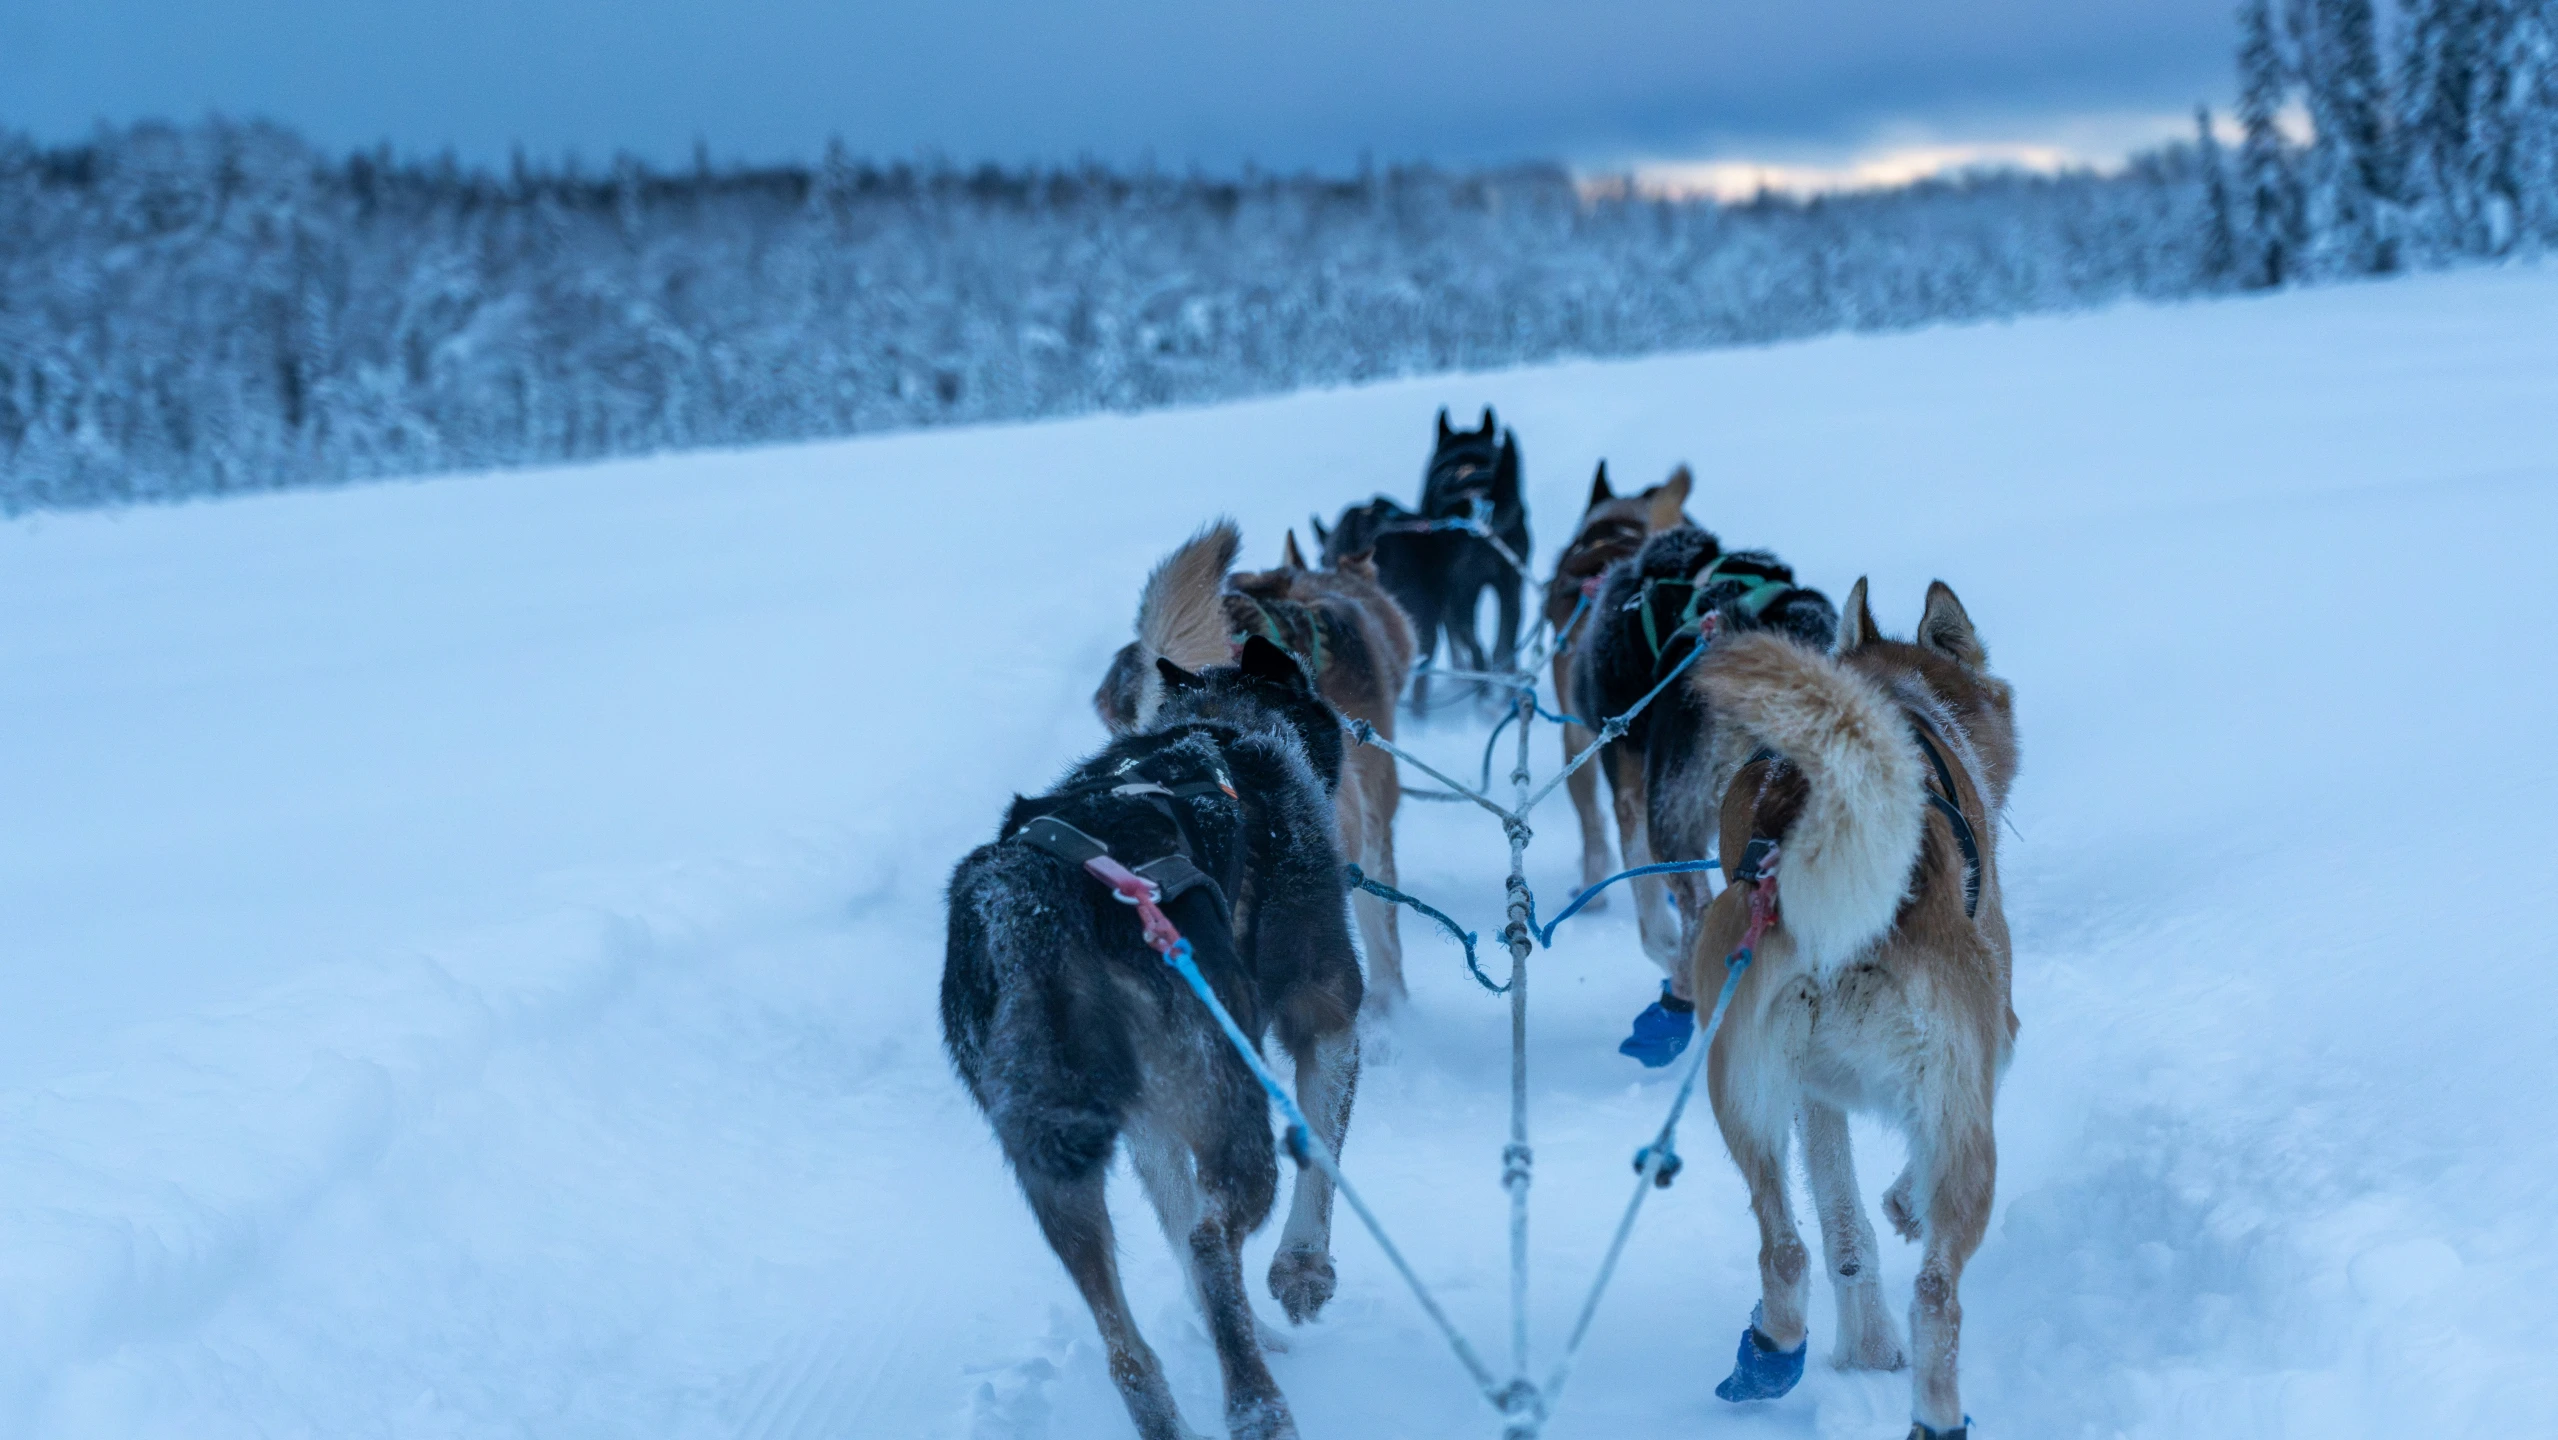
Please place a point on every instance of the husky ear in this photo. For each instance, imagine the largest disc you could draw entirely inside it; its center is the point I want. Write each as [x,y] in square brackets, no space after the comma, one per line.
[1323,537]
[1264,661]
[1176,678]
[1363,564]
[1487,426]
[1670,500]
[1599,491]
[1505,470]
[1293,558]
[1444,431]
[1947,629]
[1856,621]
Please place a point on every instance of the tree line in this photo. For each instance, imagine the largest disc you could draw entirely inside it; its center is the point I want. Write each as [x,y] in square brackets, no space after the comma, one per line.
[219,307]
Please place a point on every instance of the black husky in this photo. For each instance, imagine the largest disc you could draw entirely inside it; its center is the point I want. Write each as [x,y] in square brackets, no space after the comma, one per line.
[1645,621]
[1438,576]
[1071,1032]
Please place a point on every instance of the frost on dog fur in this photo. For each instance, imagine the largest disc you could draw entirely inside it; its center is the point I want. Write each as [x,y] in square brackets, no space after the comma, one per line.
[1848,858]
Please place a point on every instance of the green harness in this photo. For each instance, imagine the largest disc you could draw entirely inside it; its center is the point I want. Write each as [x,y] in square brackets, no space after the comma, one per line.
[1753,601]
[1272,622]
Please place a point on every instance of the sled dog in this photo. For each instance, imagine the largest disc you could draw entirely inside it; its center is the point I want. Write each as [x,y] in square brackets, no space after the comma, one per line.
[1349,634]
[1650,611]
[1612,528]
[1438,576]
[1880,771]
[1072,1034]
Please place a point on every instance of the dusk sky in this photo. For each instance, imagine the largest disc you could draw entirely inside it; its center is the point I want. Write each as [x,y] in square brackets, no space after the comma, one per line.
[1318,83]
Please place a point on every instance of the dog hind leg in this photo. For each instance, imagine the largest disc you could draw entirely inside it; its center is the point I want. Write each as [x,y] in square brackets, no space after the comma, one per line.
[1074,1216]
[1655,917]
[1237,1177]
[1960,1174]
[1868,1339]
[1757,1128]
[1366,782]
[1465,645]
[1584,785]
[1301,1274]
[1505,636]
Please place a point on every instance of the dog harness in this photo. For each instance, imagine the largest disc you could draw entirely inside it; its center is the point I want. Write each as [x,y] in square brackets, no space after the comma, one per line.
[1171,874]
[1761,583]
[1293,627]
[1944,803]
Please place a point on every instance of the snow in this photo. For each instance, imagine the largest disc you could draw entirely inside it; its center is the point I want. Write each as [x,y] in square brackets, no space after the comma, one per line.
[473,944]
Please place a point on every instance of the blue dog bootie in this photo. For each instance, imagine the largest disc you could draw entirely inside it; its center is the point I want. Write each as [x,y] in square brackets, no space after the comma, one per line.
[1920,1431]
[1763,1372]
[1662,1031]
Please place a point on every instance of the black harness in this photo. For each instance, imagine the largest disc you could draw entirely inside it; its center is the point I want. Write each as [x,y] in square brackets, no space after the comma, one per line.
[1172,874]
[1945,805]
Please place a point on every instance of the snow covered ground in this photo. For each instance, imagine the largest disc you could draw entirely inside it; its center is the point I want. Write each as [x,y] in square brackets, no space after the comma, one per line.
[470,946]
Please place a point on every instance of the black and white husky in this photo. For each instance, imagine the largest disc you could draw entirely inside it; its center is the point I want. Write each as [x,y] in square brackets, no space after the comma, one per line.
[1072,1033]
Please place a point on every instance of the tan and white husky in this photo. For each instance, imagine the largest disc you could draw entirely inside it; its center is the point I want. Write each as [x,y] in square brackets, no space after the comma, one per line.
[1884,984]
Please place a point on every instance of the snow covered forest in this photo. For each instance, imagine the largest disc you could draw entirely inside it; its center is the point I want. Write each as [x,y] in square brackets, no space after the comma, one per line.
[191,310]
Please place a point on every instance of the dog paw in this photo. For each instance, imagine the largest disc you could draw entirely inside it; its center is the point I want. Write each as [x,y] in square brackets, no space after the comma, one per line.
[1868,1338]
[1900,1209]
[1301,1281]
[1877,1349]
[1266,1418]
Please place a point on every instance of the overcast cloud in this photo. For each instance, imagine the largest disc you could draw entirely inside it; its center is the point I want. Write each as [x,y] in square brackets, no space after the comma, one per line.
[1601,83]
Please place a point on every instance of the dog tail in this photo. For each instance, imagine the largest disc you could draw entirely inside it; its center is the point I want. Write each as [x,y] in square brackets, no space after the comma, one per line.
[1181,617]
[1849,856]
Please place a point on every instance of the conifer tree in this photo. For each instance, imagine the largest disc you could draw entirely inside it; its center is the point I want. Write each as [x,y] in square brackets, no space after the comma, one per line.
[2220,233]
[2523,80]
[2269,208]
[2351,182]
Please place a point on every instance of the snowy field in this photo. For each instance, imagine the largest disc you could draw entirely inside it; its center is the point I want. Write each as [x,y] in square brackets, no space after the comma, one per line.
[471,946]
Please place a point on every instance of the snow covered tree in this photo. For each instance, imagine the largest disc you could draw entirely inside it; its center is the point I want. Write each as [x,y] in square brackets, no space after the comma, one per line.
[2437,84]
[2351,190]
[2269,202]
[2518,130]
[2220,227]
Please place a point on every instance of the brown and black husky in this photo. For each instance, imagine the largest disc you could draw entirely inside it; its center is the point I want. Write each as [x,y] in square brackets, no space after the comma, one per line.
[1351,637]
[1881,769]
[1644,623]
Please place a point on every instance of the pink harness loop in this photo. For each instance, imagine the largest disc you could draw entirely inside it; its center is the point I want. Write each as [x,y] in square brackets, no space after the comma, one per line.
[1131,888]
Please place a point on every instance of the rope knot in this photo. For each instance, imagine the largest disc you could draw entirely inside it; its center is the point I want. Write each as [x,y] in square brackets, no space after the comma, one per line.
[1516,1160]
[1671,1164]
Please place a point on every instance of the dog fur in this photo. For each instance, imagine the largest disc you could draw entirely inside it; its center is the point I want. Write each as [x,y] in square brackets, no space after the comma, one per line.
[1612,528]
[1408,562]
[1072,1034]
[1875,990]
[1652,773]
[1339,616]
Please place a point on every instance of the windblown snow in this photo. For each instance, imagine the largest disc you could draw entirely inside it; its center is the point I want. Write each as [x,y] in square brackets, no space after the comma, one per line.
[471,946]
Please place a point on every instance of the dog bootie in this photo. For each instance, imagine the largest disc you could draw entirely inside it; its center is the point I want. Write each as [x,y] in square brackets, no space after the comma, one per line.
[1662,1031]
[1920,1431]
[1763,1372]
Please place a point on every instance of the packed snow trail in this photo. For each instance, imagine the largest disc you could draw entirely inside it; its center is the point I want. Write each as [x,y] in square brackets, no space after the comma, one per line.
[472,945]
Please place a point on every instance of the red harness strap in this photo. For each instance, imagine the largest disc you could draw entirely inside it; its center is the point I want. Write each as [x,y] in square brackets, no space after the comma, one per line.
[1131,888]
